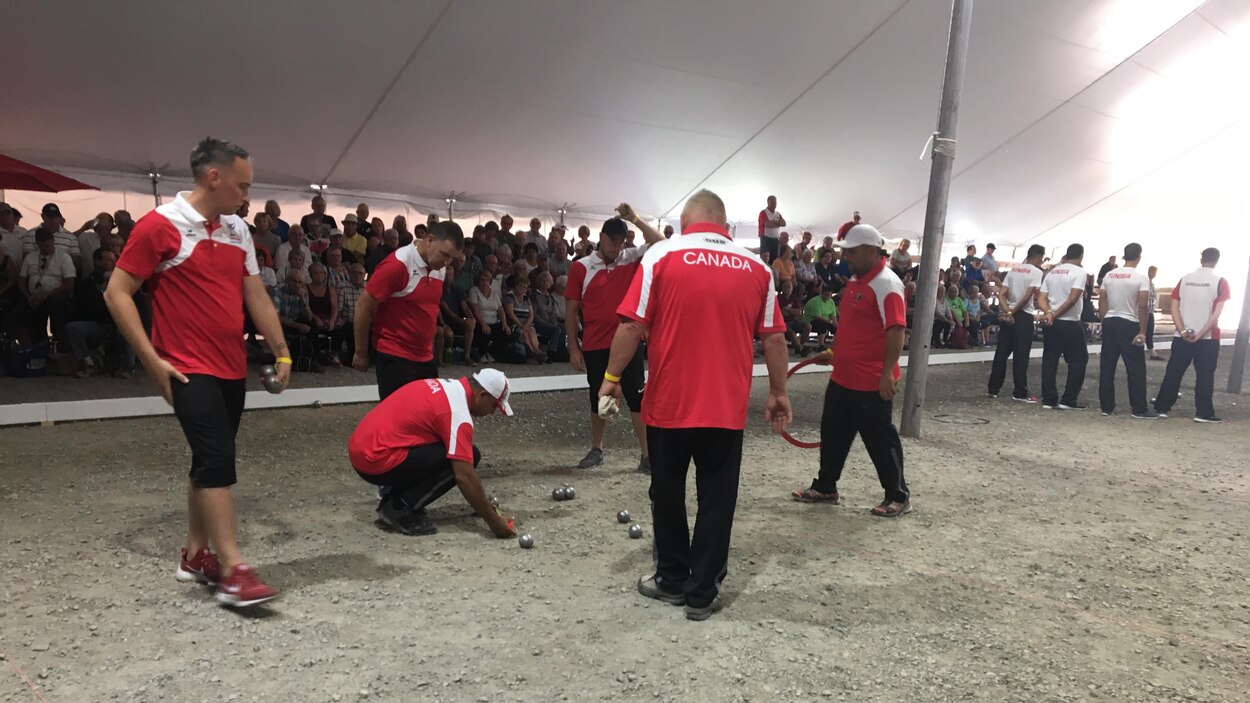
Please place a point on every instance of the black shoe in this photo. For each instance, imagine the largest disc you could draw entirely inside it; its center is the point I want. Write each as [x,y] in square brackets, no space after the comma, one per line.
[593,458]
[1147,415]
[699,614]
[406,522]
[644,466]
[1210,419]
[1073,406]
[649,588]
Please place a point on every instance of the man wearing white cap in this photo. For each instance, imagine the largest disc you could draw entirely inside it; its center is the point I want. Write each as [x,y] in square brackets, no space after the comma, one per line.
[418,442]
[353,241]
[859,400]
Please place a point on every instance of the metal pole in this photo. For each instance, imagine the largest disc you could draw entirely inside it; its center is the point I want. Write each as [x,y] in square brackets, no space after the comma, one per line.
[1240,344]
[155,194]
[935,217]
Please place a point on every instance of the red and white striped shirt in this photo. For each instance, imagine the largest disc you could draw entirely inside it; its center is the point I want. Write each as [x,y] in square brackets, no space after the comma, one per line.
[408,294]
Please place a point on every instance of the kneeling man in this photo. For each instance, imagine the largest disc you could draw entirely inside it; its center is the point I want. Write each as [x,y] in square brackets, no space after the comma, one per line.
[419,441]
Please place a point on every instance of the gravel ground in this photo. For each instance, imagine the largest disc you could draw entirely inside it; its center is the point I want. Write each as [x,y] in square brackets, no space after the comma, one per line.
[1052,556]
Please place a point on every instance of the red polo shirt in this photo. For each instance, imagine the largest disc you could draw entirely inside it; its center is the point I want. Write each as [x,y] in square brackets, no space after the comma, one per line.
[195,271]
[430,411]
[600,287]
[408,295]
[870,306]
[704,299]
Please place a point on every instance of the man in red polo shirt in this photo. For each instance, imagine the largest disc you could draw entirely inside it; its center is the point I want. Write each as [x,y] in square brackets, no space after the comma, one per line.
[859,400]
[696,403]
[398,310]
[418,442]
[595,288]
[200,264]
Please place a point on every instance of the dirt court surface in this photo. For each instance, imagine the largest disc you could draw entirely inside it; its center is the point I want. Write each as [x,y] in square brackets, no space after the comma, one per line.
[1052,556]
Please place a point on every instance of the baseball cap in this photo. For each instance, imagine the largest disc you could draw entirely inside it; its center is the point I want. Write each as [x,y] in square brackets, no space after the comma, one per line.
[990,246]
[51,210]
[614,227]
[496,384]
[351,217]
[861,235]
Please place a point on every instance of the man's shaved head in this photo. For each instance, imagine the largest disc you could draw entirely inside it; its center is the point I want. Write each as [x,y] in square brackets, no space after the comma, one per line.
[704,206]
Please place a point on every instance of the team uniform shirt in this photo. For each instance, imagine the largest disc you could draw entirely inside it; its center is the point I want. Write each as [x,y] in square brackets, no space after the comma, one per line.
[408,294]
[1121,287]
[768,224]
[46,273]
[692,384]
[870,306]
[600,287]
[195,271]
[1197,294]
[1059,284]
[1019,280]
[429,411]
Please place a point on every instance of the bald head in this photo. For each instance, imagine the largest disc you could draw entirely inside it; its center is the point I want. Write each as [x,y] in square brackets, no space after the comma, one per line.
[704,206]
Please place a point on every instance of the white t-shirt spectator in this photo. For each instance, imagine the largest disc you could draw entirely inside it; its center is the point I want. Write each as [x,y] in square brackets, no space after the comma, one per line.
[1059,284]
[65,241]
[1197,293]
[1121,287]
[12,243]
[1020,279]
[488,306]
[46,273]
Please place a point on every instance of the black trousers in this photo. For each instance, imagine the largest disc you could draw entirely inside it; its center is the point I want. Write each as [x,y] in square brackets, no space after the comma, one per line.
[1117,343]
[848,413]
[1150,332]
[421,478]
[1204,354]
[1016,340]
[1064,338]
[395,372]
[694,567]
[941,333]
[772,246]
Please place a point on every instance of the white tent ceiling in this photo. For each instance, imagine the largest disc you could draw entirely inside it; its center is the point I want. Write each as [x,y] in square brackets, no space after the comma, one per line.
[1077,115]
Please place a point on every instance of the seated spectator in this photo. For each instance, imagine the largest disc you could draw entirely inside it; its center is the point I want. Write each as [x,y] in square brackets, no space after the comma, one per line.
[977,309]
[318,240]
[9,292]
[456,314]
[296,260]
[841,275]
[485,300]
[943,320]
[958,308]
[900,260]
[956,267]
[64,240]
[264,236]
[390,243]
[535,236]
[548,321]
[805,273]
[90,236]
[821,315]
[503,253]
[323,303]
[295,241]
[318,216]
[93,325]
[12,237]
[558,259]
[826,270]
[519,318]
[955,278]
[804,247]
[376,230]
[353,241]
[531,258]
[973,275]
[400,225]
[46,281]
[909,298]
[277,225]
[336,243]
[784,267]
[338,270]
[291,302]
[792,313]
[268,274]
[343,340]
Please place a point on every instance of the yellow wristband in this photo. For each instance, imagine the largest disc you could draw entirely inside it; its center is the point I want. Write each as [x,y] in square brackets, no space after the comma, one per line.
[283,360]
[610,378]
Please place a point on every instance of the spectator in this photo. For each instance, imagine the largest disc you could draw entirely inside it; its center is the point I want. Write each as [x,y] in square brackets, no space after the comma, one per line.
[90,236]
[317,240]
[668,231]
[955,278]
[826,245]
[791,304]
[376,232]
[1106,269]
[547,319]
[9,292]
[268,274]
[770,224]
[353,240]
[363,226]
[943,320]
[805,274]
[804,246]
[93,325]
[343,342]
[277,225]
[506,236]
[826,271]
[821,315]
[297,261]
[557,235]
[519,319]
[483,243]
[46,281]
[455,311]
[294,242]
[842,274]
[846,226]
[12,236]
[400,225]
[583,241]
[338,271]
[971,254]
[337,239]
[1151,305]
[390,243]
[784,267]
[629,239]
[558,259]
[318,214]
[323,303]
[535,236]
[291,302]
[973,274]
[263,237]
[125,225]
[485,301]
[503,254]
[989,264]
[976,310]
[531,258]
[959,309]
[63,238]
[900,260]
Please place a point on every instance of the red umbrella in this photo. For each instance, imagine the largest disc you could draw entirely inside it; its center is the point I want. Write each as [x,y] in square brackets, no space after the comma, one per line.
[19,175]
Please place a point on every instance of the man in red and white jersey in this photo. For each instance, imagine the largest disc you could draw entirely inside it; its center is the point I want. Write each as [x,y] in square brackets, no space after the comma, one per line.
[595,288]
[398,311]
[1197,302]
[872,320]
[418,442]
[770,224]
[1122,308]
[1016,315]
[697,396]
[1061,300]
[200,265]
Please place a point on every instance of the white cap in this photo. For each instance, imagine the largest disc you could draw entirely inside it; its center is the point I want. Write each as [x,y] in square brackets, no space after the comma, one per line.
[862,235]
[496,384]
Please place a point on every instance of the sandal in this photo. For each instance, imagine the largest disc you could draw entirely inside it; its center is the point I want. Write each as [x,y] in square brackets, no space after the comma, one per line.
[890,508]
[808,495]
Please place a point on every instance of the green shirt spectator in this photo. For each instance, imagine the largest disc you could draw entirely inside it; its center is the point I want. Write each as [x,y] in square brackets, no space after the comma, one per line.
[959,309]
[819,307]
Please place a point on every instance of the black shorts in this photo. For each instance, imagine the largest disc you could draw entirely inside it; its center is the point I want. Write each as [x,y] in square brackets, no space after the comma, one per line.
[632,378]
[821,327]
[209,410]
[395,372]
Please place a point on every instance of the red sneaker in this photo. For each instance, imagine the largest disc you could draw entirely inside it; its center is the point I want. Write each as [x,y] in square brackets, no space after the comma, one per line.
[243,588]
[203,568]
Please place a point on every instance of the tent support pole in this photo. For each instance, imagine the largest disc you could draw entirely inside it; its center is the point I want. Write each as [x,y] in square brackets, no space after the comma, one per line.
[1240,344]
[943,157]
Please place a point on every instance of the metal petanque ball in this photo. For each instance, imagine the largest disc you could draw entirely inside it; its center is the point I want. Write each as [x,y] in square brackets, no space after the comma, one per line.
[526,541]
[558,493]
[569,493]
[635,531]
[622,517]
[269,378]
